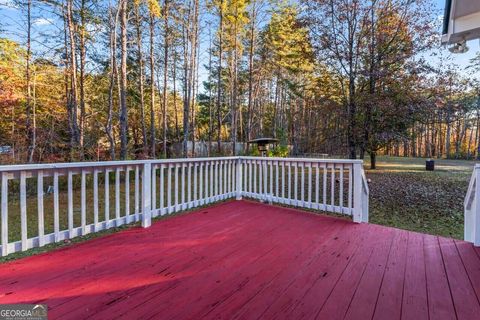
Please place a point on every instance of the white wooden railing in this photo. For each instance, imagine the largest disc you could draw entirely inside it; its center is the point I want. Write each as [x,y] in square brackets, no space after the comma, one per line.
[47,203]
[329,185]
[472,209]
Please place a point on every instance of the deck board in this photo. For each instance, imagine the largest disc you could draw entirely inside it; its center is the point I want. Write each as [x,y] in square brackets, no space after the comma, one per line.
[338,302]
[364,301]
[389,302]
[440,302]
[415,300]
[464,297]
[244,260]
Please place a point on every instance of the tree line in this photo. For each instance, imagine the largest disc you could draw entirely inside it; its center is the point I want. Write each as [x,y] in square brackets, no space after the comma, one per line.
[96,79]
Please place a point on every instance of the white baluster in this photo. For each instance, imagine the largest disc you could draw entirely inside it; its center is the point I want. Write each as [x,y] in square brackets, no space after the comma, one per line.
[40,209]
[163,210]
[302,188]
[212,182]
[189,185]
[154,189]
[23,209]
[117,197]
[283,182]
[317,186]
[176,187]
[169,188]
[56,208]
[127,195]
[95,200]
[350,188]
[183,204]
[200,185]
[324,189]
[270,163]
[340,195]
[83,206]
[289,188]
[137,193]
[107,198]
[195,185]
[309,189]
[70,204]
[295,189]
[276,181]
[332,188]
[4,214]
[146,195]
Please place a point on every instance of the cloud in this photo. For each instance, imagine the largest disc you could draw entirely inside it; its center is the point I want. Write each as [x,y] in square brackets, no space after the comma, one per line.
[8,4]
[41,21]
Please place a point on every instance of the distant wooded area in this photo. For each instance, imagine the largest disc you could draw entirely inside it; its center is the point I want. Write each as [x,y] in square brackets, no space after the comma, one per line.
[97,80]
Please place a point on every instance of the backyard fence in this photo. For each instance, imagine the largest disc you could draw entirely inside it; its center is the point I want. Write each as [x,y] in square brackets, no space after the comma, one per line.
[47,203]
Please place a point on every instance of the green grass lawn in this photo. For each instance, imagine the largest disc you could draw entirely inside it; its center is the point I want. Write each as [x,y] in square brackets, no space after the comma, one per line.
[404,195]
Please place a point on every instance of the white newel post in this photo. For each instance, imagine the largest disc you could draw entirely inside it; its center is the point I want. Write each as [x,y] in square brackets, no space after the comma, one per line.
[146,195]
[238,179]
[357,193]
[472,209]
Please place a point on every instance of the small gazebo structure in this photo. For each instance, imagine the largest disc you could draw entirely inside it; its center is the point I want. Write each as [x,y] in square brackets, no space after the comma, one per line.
[263,144]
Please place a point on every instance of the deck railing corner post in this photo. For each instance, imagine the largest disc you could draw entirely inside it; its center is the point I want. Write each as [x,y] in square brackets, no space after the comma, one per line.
[146,195]
[238,193]
[359,211]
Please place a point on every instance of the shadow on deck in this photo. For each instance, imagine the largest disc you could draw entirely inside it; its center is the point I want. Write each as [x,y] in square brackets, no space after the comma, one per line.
[247,260]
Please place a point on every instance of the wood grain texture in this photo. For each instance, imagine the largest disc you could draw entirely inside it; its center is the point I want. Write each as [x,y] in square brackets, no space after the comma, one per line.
[246,260]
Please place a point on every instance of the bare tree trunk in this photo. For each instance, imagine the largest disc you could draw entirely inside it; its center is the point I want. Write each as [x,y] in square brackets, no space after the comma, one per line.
[28,104]
[73,78]
[373,160]
[186,88]
[34,116]
[469,145]
[219,82]
[210,115]
[174,75]
[139,41]
[123,81]
[112,76]
[66,77]
[251,51]
[165,75]
[152,87]
[83,54]
[448,135]
[234,67]
[194,45]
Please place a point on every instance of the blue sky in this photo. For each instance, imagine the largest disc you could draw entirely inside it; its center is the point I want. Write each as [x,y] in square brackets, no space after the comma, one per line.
[11,21]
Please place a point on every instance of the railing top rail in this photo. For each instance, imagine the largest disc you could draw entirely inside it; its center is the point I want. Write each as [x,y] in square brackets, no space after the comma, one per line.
[365,182]
[341,161]
[180,160]
[102,164]
[66,165]
[467,203]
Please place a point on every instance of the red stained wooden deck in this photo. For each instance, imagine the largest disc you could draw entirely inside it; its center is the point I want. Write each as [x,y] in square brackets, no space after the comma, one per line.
[245,260]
